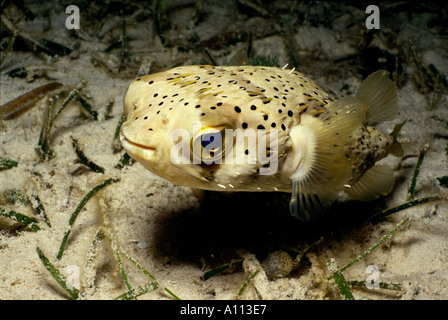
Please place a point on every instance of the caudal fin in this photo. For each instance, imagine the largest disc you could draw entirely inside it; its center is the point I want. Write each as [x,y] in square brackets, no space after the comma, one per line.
[379,95]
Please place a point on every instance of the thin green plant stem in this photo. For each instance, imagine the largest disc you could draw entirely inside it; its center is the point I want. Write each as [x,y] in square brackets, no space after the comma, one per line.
[75,214]
[72,95]
[87,107]
[115,248]
[171,293]
[58,276]
[376,245]
[116,143]
[156,17]
[43,143]
[382,285]
[89,269]
[246,283]
[7,163]
[83,159]
[138,265]
[212,60]
[120,265]
[120,123]
[50,118]
[39,208]
[123,43]
[339,278]
[151,276]
[442,121]
[421,156]
[207,275]
[124,160]
[407,205]
[132,294]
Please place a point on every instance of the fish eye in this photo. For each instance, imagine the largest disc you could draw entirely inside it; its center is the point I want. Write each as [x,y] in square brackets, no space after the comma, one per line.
[208,145]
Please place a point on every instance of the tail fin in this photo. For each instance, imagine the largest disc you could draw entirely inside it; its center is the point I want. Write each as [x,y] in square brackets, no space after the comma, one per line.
[379,95]
[322,167]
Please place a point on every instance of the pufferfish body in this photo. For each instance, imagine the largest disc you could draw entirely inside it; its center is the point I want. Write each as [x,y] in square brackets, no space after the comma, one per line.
[262,129]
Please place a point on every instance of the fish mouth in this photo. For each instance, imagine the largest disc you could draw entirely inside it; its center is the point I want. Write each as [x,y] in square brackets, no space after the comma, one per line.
[126,142]
[139,152]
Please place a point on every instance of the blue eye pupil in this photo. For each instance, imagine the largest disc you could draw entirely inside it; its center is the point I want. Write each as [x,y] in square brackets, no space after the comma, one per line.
[206,142]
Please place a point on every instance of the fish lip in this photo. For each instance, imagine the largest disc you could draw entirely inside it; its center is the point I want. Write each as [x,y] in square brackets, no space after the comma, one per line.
[137,145]
[125,141]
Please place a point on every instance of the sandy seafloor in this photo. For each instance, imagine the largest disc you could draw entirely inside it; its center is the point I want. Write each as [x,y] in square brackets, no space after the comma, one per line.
[178,233]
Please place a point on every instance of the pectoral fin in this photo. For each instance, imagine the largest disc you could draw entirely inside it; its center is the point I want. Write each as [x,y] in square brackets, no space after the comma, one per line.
[321,164]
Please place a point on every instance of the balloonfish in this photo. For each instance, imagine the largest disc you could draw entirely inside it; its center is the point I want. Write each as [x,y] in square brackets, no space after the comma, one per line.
[252,128]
